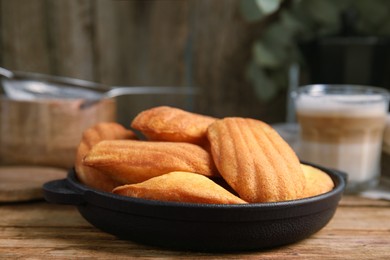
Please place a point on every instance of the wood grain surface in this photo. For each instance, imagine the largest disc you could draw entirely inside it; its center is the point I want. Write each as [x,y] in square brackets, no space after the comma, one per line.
[200,43]
[360,229]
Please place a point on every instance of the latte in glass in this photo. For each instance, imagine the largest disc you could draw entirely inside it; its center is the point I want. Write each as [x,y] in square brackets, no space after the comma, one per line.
[342,128]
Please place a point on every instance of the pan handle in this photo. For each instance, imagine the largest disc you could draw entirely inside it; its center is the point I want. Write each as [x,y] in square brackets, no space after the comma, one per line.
[59,192]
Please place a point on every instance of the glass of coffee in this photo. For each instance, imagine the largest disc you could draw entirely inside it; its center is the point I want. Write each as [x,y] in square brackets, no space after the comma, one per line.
[341,127]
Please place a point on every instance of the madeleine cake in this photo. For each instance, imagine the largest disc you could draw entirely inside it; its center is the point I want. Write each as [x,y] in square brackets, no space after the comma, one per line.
[256,162]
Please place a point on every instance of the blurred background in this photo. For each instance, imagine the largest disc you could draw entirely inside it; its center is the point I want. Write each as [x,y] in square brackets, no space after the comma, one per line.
[243,55]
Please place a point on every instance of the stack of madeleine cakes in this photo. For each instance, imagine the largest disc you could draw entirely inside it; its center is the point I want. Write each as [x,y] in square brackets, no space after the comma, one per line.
[187,157]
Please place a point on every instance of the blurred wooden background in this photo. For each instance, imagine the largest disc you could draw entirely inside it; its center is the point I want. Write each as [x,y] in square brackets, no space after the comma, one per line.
[199,43]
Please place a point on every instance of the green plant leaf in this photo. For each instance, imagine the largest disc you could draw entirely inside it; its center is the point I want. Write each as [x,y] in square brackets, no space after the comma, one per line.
[324,13]
[304,20]
[277,35]
[264,56]
[255,10]
[268,6]
[290,23]
[250,10]
[278,42]
[264,87]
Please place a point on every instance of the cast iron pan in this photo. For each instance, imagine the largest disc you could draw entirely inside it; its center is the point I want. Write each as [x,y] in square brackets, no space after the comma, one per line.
[199,227]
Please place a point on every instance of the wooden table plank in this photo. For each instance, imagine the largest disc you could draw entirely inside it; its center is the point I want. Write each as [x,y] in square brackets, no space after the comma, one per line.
[40,230]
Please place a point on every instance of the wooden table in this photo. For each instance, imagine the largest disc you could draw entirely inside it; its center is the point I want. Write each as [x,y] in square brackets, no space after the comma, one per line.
[38,230]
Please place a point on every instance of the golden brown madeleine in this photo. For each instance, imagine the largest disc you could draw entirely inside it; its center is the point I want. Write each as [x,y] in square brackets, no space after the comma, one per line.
[165,123]
[91,136]
[132,161]
[317,181]
[180,187]
[256,162]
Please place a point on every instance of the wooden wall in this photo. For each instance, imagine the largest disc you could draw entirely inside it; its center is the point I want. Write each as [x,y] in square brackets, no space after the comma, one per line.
[202,43]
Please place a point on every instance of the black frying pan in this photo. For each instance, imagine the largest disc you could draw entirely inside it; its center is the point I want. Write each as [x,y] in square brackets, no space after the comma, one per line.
[199,227]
